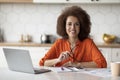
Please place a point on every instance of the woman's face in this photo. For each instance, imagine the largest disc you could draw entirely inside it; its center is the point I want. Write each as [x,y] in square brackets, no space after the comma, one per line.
[72,27]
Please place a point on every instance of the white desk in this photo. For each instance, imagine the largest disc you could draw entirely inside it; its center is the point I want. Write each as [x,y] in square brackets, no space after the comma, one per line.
[6,74]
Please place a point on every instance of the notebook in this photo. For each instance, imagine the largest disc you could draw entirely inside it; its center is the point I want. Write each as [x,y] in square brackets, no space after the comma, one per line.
[20,60]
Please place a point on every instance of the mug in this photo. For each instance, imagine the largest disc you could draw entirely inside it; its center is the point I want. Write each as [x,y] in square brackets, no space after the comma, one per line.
[115,68]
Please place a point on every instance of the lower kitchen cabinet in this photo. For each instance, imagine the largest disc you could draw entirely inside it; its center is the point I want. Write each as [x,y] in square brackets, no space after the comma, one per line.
[3,62]
[115,54]
[107,54]
[36,54]
[111,54]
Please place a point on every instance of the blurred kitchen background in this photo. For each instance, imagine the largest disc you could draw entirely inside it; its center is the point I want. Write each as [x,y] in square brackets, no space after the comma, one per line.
[35,20]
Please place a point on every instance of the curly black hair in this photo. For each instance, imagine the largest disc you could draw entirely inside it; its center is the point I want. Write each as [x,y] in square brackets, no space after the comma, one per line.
[81,15]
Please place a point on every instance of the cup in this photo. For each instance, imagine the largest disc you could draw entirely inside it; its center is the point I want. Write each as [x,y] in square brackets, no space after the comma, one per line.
[115,69]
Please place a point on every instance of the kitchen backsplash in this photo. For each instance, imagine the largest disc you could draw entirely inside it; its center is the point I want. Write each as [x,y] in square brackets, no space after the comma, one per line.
[37,19]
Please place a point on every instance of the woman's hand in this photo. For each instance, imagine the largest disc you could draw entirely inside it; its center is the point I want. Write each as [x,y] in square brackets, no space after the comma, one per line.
[63,56]
[68,64]
[72,64]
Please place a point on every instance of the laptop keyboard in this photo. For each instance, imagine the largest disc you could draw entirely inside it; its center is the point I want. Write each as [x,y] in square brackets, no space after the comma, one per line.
[42,70]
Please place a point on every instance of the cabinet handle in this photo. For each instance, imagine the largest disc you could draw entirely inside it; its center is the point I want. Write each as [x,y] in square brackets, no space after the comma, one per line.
[67,0]
[117,54]
[46,49]
[94,0]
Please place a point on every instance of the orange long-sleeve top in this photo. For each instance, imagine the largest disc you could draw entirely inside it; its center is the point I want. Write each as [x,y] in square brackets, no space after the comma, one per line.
[85,51]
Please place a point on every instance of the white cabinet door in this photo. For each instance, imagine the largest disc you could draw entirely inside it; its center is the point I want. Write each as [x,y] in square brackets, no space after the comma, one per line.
[3,62]
[16,1]
[115,54]
[79,1]
[49,1]
[76,1]
[107,54]
[36,54]
[108,1]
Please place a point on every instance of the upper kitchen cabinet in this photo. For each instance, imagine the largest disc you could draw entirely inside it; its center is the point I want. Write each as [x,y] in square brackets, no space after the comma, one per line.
[60,1]
[16,1]
[106,1]
[76,1]
[50,1]
[95,1]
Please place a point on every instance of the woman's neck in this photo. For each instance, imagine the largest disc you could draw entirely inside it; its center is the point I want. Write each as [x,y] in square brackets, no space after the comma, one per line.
[72,42]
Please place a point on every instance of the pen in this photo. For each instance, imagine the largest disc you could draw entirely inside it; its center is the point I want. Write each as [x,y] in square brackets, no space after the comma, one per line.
[62,68]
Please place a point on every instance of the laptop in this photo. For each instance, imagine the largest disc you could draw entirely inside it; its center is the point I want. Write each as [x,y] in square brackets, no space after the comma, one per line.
[20,60]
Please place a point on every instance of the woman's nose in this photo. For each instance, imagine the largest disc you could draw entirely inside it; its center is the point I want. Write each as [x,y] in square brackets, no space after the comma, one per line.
[73,26]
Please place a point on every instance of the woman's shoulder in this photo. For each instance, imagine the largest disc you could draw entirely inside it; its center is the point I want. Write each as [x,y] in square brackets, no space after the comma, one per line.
[88,40]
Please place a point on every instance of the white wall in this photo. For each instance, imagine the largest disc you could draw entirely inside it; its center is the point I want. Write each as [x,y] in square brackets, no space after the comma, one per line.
[36,19]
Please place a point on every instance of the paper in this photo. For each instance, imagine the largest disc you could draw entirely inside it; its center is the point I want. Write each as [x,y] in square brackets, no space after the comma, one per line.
[59,69]
[64,69]
[100,72]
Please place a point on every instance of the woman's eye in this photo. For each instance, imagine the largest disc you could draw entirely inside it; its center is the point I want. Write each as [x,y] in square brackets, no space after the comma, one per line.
[77,24]
[69,24]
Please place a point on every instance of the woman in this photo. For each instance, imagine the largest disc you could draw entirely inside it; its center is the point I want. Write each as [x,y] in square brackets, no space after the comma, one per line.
[75,48]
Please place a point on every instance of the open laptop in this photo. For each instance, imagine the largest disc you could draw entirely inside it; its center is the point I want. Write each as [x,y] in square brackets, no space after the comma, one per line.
[20,60]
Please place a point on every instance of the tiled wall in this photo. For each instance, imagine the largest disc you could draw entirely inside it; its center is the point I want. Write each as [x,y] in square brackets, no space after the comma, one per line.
[36,19]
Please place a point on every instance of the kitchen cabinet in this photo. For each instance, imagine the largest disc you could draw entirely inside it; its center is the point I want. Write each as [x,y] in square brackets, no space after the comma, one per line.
[76,1]
[3,62]
[59,1]
[107,54]
[108,1]
[111,54]
[105,1]
[115,54]
[94,1]
[50,1]
[36,54]
[16,1]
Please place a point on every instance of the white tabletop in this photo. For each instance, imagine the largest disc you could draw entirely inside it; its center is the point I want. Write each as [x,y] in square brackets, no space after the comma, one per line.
[6,74]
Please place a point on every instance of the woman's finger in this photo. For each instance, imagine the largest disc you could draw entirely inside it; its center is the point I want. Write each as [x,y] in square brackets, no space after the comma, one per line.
[68,64]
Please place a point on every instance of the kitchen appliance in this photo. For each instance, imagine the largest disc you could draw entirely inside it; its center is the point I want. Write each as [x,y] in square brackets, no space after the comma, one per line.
[46,38]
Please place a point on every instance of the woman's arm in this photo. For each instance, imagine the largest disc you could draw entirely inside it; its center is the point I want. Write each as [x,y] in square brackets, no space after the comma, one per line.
[81,64]
[88,64]
[51,62]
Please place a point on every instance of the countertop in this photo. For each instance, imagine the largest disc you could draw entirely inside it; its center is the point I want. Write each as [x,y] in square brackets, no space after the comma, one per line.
[104,45]
[25,44]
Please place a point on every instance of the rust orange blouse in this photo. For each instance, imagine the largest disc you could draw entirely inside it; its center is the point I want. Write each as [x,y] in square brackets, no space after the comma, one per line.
[85,51]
